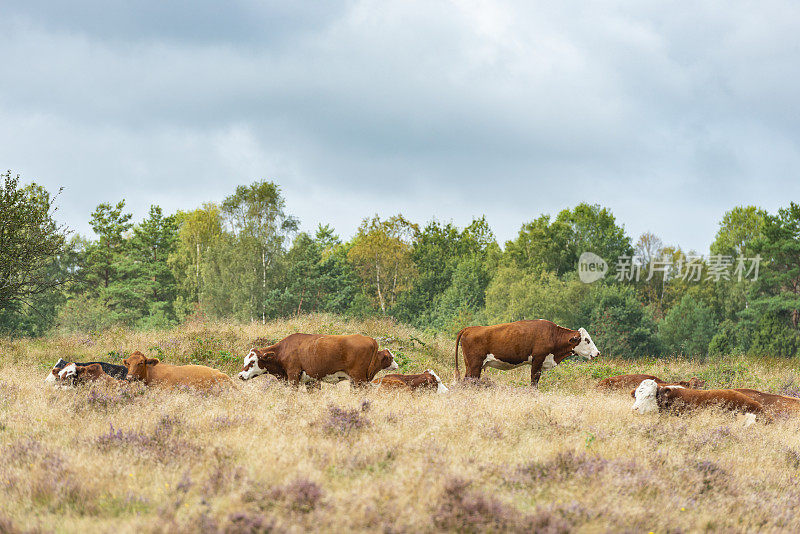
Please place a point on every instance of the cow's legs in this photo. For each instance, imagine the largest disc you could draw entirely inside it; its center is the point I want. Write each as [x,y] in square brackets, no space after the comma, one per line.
[473,364]
[293,375]
[536,371]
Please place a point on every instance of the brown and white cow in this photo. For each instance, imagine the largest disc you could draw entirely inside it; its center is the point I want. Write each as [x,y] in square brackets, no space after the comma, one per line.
[541,344]
[771,401]
[429,379]
[154,373]
[304,358]
[74,375]
[650,397]
[626,382]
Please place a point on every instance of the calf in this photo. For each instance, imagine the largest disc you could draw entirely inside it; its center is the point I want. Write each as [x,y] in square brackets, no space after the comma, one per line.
[650,397]
[116,371]
[154,373]
[303,358]
[625,382]
[428,379]
[74,375]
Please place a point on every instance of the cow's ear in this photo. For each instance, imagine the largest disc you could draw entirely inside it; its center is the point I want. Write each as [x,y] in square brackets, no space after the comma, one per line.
[575,340]
[152,361]
[125,362]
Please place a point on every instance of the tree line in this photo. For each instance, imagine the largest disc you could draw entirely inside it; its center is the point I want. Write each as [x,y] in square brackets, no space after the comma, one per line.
[244,258]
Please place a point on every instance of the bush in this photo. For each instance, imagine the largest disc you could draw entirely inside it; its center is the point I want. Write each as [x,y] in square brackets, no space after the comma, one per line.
[688,328]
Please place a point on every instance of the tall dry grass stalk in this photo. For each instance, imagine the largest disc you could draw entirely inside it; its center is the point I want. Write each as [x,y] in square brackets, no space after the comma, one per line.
[266,457]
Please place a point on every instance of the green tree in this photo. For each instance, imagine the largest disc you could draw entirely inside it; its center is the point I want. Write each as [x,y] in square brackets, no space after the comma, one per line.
[739,227]
[594,228]
[618,323]
[31,243]
[687,328]
[555,246]
[465,297]
[541,246]
[243,264]
[514,294]
[101,263]
[436,253]
[777,289]
[381,253]
[198,230]
[153,242]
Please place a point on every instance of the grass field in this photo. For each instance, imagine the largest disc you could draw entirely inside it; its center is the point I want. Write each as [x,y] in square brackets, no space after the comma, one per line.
[268,458]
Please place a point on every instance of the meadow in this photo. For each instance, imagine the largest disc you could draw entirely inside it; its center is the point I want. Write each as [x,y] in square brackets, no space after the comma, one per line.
[493,456]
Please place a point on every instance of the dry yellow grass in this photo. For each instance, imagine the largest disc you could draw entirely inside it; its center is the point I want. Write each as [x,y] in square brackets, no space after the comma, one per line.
[266,456]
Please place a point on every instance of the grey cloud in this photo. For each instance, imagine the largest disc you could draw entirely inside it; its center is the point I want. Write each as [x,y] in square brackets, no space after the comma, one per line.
[668,116]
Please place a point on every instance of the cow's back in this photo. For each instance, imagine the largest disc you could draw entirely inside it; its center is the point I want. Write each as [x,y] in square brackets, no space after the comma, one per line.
[328,354]
[771,400]
[510,339]
[186,375]
[626,382]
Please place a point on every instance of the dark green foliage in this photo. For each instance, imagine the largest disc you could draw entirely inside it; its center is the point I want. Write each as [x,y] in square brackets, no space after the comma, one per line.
[32,246]
[620,326]
[244,259]
[555,247]
[687,328]
[776,293]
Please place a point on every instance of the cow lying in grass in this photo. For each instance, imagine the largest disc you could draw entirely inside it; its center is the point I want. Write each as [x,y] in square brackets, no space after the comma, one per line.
[626,382]
[116,371]
[650,397]
[154,373]
[771,401]
[428,380]
[74,375]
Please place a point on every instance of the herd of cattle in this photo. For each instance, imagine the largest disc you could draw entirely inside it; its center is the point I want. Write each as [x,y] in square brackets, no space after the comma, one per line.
[313,358]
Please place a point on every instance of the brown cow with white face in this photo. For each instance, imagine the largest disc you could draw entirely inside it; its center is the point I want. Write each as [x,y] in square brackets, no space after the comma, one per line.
[650,397]
[75,375]
[154,373]
[541,344]
[303,358]
[429,380]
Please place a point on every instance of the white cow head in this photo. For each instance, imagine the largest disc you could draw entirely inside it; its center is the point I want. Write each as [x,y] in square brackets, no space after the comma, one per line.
[586,348]
[440,388]
[51,376]
[251,368]
[646,397]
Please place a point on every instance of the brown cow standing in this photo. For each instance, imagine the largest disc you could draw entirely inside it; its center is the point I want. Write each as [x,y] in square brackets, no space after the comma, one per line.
[626,382]
[541,344]
[428,379]
[319,357]
[154,373]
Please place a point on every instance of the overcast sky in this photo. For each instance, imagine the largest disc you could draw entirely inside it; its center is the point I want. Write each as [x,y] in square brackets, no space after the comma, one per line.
[669,114]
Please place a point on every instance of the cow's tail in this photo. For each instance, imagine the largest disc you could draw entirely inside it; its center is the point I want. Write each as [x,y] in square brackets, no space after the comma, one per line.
[458,340]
